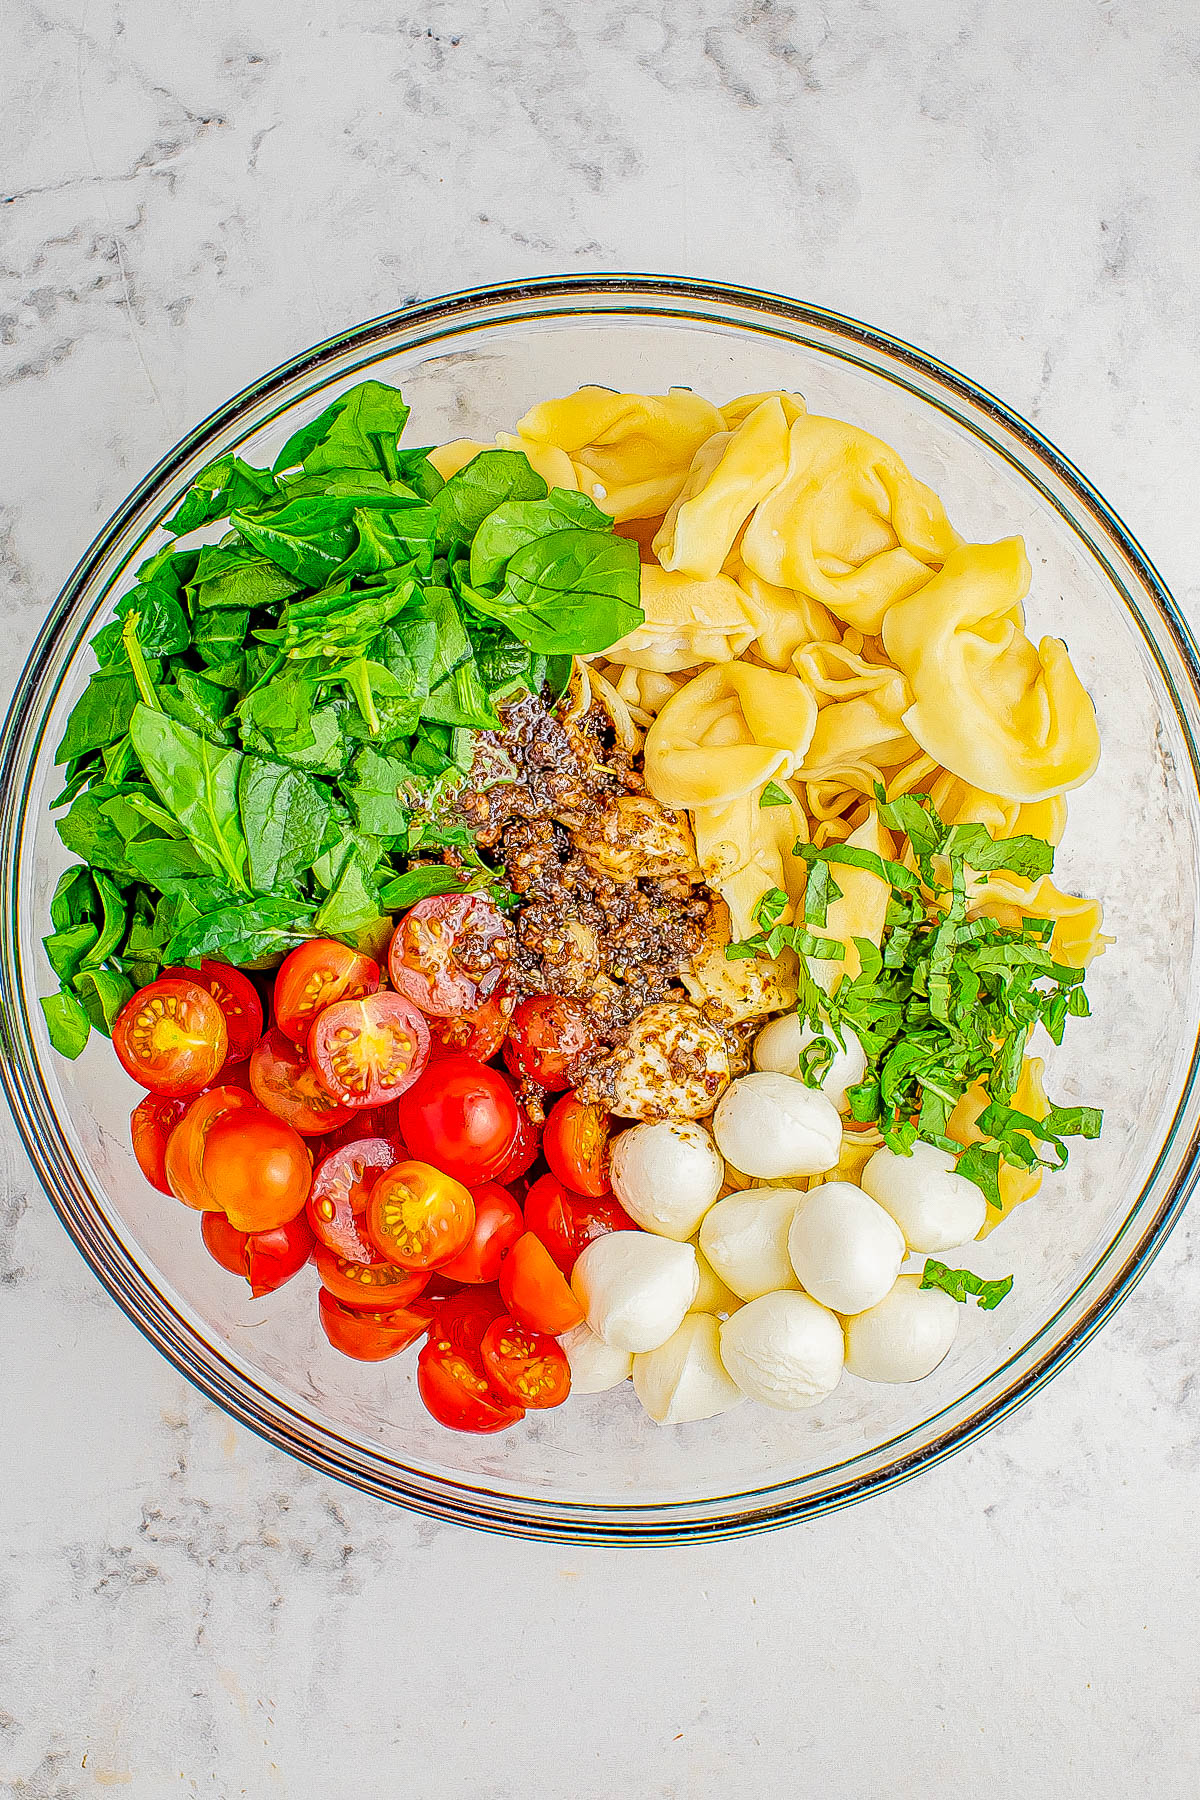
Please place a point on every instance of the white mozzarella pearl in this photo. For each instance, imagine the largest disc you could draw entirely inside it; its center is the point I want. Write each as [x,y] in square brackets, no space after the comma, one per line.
[845,1249]
[595,1365]
[935,1208]
[783,1349]
[672,1064]
[666,1176]
[712,1294]
[779,1044]
[905,1336]
[745,1238]
[770,1125]
[635,1288]
[685,1379]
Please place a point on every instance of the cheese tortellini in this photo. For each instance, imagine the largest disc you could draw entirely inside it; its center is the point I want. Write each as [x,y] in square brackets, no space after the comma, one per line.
[727,733]
[689,620]
[630,453]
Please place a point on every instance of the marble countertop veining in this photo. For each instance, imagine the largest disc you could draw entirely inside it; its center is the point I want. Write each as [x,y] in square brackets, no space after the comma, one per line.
[191,194]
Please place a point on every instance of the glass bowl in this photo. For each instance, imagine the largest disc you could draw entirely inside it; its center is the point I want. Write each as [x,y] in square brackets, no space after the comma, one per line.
[598,1469]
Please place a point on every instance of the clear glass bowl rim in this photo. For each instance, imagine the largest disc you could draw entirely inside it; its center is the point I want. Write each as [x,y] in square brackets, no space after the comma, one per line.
[647,296]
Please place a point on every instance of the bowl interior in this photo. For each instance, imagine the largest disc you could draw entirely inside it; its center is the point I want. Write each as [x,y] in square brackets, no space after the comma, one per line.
[598,1464]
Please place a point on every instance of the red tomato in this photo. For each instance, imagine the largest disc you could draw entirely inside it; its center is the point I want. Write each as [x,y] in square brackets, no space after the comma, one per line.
[266,1259]
[369,1336]
[566,1222]
[535,1290]
[366,1122]
[463,1318]
[312,977]
[419,1217]
[547,1033]
[526,1367]
[237,997]
[498,1225]
[187,1143]
[380,1286]
[457,1394]
[150,1126]
[368,1052]
[575,1143]
[479,1033]
[448,953]
[256,1168]
[461,1116]
[171,1037]
[282,1079]
[338,1197]
[524,1152]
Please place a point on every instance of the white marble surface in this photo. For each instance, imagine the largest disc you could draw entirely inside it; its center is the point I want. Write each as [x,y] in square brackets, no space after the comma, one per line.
[196,193]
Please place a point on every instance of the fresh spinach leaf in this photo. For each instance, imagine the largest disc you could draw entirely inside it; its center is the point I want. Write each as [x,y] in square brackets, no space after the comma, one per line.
[102,713]
[417,883]
[284,814]
[237,575]
[373,792]
[488,480]
[244,933]
[352,903]
[102,993]
[574,592]
[223,487]
[197,782]
[67,1023]
[360,430]
[516,523]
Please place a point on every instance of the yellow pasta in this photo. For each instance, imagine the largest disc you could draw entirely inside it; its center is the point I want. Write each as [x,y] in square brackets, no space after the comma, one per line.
[1009,899]
[729,476]
[728,732]
[744,850]
[630,452]
[1015,1183]
[688,621]
[784,621]
[1006,717]
[862,909]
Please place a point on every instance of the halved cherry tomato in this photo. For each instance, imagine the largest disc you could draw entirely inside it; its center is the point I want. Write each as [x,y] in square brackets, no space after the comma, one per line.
[449,953]
[526,1367]
[266,1259]
[524,1151]
[457,1394]
[338,1197]
[150,1126]
[237,997]
[547,1033]
[463,1318]
[369,1336]
[479,1033]
[462,1116]
[184,1161]
[171,1037]
[365,1122]
[282,1078]
[380,1286]
[256,1168]
[535,1290]
[312,977]
[566,1222]
[419,1217]
[368,1052]
[575,1143]
[498,1225]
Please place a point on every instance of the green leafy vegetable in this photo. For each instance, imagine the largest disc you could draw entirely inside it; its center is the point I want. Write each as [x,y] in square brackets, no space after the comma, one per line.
[774,795]
[961,1283]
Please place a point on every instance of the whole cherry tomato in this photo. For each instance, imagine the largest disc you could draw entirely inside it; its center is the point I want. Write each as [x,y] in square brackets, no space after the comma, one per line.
[367,1052]
[184,1161]
[419,1217]
[567,1222]
[312,977]
[457,1393]
[338,1197]
[526,1367]
[449,952]
[462,1116]
[171,1037]
[479,1033]
[237,997]
[369,1336]
[150,1126]
[575,1143]
[265,1258]
[535,1290]
[547,1033]
[282,1079]
[524,1151]
[378,1286]
[498,1225]
[256,1168]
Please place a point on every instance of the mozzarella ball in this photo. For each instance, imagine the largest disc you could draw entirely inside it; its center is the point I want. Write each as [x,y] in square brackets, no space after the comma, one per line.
[595,1365]
[712,1294]
[905,1336]
[845,1249]
[745,1238]
[666,1176]
[778,1046]
[635,1288]
[934,1207]
[784,1350]
[771,1125]
[685,1379]
[672,1064]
